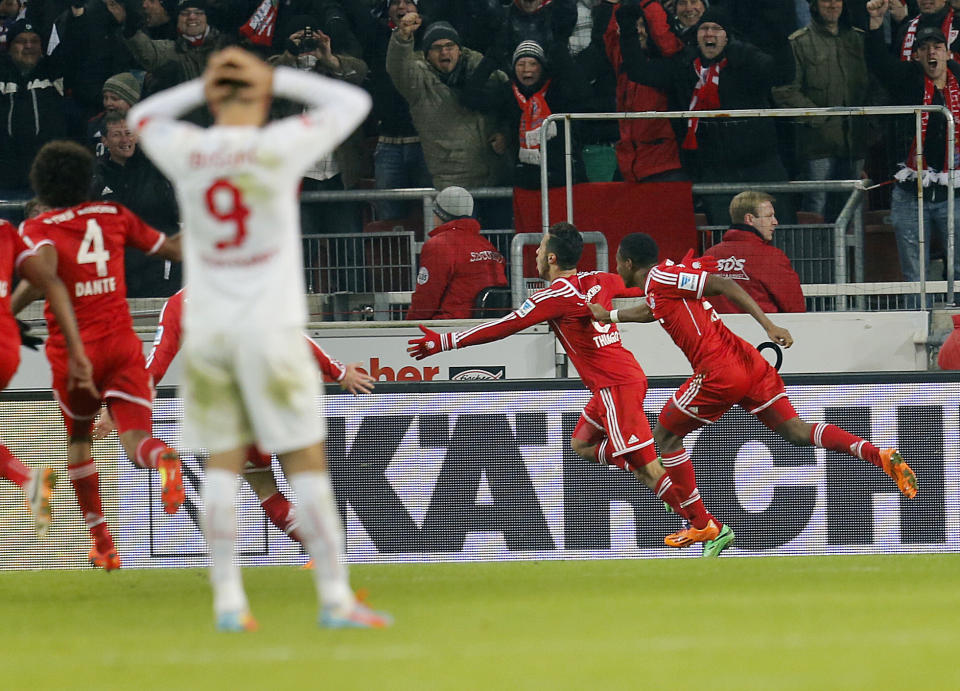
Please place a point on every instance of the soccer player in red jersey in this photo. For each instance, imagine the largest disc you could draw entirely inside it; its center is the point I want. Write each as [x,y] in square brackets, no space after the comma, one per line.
[613,428]
[89,239]
[166,344]
[36,266]
[727,370]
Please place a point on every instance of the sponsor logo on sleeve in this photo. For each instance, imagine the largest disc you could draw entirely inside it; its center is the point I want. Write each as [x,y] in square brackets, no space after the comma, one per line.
[689,282]
[478,373]
[526,308]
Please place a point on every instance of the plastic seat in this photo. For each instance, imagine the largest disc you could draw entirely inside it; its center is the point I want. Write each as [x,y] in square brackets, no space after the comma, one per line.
[493,302]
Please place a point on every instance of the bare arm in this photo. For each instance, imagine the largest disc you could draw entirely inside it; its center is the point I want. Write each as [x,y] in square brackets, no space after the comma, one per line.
[24,294]
[730,289]
[171,248]
[638,313]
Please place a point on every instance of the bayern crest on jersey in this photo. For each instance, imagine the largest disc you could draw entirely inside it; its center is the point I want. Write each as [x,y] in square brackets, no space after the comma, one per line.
[423,275]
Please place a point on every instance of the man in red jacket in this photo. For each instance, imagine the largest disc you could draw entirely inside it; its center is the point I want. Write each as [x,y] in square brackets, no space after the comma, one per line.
[456,262]
[747,256]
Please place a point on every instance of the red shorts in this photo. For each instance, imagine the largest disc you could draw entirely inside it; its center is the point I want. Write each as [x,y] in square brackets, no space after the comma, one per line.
[706,396]
[120,374]
[617,412]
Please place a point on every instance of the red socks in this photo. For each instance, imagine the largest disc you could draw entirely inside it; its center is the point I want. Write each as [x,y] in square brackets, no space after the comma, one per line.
[280,512]
[86,485]
[832,437]
[680,469]
[13,468]
[148,452]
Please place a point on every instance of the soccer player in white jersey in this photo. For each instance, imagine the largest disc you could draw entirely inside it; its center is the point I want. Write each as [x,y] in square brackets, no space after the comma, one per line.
[249,374]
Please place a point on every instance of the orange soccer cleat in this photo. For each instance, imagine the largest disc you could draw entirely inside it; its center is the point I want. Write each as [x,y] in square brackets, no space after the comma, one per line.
[238,621]
[108,561]
[171,481]
[687,536]
[902,474]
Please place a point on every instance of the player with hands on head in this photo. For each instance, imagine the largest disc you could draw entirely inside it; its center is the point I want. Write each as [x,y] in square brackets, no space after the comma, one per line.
[38,266]
[727,370]
[249,379]
[613,428]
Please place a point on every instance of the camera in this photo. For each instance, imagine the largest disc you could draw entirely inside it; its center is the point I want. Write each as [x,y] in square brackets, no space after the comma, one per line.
[308,42]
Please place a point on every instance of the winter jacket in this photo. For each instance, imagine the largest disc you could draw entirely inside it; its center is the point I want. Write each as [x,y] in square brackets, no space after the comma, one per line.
[646,147]
[761,269]
[31,114]
[142,188]
[192,60]
[455,139]
[745,83]
[456,263]
[550,26]
[831,70]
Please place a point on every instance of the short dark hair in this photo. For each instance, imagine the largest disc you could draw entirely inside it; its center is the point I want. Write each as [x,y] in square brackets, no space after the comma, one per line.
[565,242]
[639,248]
[61,173]
[112,118]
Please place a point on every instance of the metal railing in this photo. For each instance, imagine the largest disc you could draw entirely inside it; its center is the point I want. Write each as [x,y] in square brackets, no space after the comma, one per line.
[519,285]
[916,111]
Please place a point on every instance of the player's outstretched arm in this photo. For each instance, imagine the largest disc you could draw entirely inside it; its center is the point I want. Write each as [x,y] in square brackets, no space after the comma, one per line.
[24,294]
[355,380]
[40,269]
[637,313]
[730,289]
[171,248]
[429,344]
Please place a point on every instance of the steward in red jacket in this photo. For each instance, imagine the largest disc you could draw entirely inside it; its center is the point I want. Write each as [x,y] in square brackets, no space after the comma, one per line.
[456,262]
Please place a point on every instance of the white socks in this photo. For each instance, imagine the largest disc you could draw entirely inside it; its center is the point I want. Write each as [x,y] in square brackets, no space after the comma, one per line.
[220,527]
[322,535]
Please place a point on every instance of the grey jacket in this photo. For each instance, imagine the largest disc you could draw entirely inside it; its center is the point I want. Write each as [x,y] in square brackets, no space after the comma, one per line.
[455,139]
[831,71]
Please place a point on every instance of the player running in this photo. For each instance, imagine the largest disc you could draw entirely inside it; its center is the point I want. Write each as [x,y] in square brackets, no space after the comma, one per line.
[257,471]
[727,370]
[90,239]
[38,267]
[613,427]
[249,378]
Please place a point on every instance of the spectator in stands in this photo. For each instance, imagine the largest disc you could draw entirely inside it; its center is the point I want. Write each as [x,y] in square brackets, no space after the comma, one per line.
[831,70]
[548,22]
[932,13]
[158,19]
[720,74]
[539,86]
[269,22]
[127,176]
[583,29]
[31,106]
[398,159]
[196,39]
[930,78]
[477,21]
[462,146]
[686,18]
[119,93]
[10,12]
[949,356]
[647,150]
[748,256]
[456,262]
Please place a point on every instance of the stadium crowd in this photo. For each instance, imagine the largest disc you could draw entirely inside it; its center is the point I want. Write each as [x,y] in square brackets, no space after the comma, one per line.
[460,90]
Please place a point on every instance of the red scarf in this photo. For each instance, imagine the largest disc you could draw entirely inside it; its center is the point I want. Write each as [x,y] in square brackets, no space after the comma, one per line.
[197,40]
[951,99]
[262,23]
[906,49]
[533,111]
[706,96]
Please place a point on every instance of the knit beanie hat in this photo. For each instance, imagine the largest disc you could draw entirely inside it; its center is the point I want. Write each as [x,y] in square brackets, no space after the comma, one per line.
[453,202]
[529,49]
[170,7]
[124,85]
[718,16]
[438,31]
[19,27]
[195,4]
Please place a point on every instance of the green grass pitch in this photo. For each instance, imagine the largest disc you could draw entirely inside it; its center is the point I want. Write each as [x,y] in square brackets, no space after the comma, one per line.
[865,622]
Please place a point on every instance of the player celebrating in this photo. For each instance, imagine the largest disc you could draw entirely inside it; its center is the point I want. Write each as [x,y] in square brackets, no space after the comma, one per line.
[90,239]
[257,472]
[248,373]
[38,267]
[613,428]
[727,370]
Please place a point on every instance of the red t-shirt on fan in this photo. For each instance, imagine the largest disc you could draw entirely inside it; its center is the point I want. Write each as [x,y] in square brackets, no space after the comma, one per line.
[90,239]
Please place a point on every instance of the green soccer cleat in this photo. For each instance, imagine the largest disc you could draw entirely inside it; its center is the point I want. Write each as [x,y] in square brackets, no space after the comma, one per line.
[713,548]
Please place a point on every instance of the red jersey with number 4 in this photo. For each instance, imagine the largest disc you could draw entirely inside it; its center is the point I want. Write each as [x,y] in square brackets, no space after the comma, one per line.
[90,239]
[675,294]
[595,349]
[166,343]
[13,249]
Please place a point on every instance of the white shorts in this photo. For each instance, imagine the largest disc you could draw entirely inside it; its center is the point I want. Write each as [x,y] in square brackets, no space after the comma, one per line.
[243,388]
